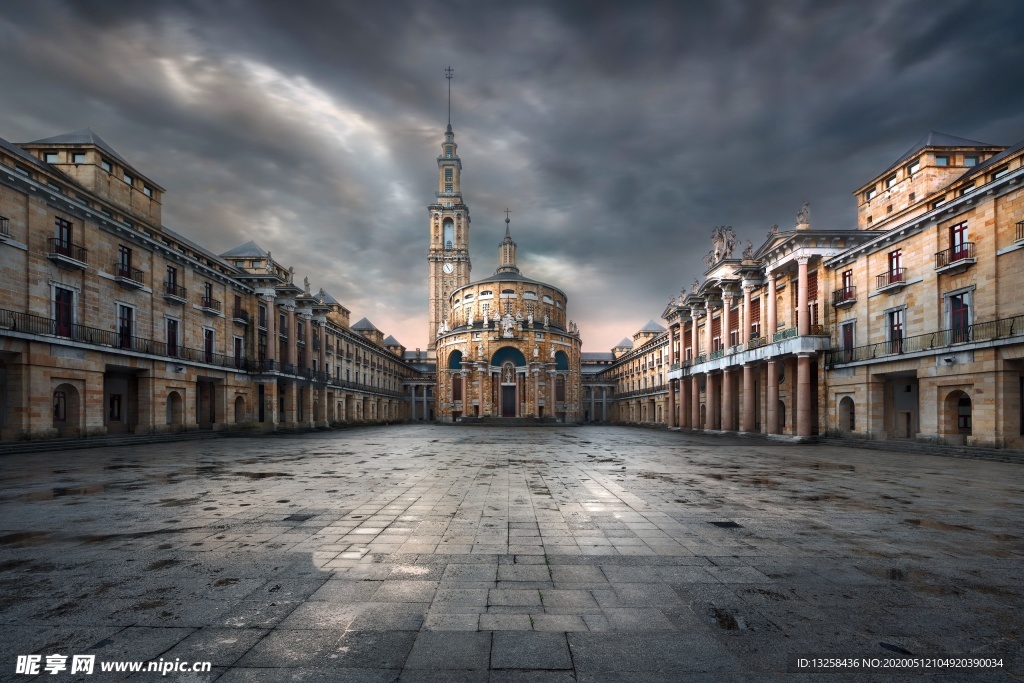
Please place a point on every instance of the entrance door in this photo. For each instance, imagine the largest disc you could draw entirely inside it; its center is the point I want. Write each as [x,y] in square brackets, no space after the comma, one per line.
[508,400]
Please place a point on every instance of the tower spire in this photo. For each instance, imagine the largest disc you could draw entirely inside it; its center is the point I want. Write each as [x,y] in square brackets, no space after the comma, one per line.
[507,250]
[448,73]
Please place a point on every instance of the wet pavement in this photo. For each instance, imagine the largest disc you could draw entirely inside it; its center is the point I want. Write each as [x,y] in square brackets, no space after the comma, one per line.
[439,553]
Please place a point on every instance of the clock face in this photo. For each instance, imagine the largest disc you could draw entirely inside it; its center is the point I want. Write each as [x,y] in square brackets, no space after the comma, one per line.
[448,267]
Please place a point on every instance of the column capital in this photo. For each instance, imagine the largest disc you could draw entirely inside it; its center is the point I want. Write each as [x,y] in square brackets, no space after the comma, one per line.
[802,260]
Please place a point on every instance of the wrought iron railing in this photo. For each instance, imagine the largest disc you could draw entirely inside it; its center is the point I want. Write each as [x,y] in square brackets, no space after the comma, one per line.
[50,327]
[209,303]
[240,315]
[784,334]
[58,247]
[699,359]
[893,277]
[817,331]
[992,330]
[757,342]
[718,353]
[844,295]
[175,290]
[950,256]
[128,273]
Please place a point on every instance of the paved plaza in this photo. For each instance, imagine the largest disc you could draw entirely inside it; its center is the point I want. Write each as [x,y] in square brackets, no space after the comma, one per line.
[441,553]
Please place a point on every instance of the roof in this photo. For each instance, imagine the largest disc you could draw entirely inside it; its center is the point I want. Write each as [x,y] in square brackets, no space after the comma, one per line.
[508,276]
[85,136]
[322,295]
[391,341]
[626,341]
[248,250]
[364,324]
[652,326]
[596,356]
[992,161]
[933,139]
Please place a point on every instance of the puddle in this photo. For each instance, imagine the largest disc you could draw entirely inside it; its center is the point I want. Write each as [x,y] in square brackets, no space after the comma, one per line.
[61,491]
[22,539]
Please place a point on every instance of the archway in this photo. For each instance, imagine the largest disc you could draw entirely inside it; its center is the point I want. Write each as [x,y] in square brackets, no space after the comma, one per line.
[782,416]
[958,414]
[703,416]
[67,412]
[240,410]
[508,353]
[846,417]
[561,360]
[175,408]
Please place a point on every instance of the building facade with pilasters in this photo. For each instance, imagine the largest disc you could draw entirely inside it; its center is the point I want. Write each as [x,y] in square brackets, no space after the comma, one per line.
[111,322]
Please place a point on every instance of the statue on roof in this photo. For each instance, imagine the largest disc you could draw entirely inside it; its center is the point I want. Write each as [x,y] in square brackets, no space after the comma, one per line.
[710,259]
[696,286]
[748,251]
[291,273]
[774,230]
[803,216]
[305,283]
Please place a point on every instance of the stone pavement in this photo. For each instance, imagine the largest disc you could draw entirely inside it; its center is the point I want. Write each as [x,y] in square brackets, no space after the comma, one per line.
[439,553]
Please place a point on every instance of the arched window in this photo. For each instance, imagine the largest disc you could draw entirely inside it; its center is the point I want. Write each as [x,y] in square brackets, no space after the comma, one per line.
[449,233]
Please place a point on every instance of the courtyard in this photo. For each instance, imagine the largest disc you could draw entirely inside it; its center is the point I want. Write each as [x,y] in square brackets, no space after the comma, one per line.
[431,552]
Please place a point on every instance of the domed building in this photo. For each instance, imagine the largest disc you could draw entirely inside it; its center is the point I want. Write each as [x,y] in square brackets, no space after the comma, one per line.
[506,349]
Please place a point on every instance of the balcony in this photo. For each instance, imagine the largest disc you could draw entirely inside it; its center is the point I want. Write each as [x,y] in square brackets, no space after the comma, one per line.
[209,305]
[718,353]
[66,254]
[757,342]
[990,331]
[847,296]
[5,229]
[120,341]
[126,276]
[240,316]
[175,293]
[1020,232]
[785,334]
[955,259]
[892,280]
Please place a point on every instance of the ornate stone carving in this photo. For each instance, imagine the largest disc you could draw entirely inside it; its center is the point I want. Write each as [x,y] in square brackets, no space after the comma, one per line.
[803,216]
[748,251]
[507,323]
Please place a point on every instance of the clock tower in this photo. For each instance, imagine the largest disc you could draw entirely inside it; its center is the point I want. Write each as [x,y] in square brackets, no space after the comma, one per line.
[448,258]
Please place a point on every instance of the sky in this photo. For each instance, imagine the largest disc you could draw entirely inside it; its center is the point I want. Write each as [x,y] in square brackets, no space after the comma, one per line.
[618,134]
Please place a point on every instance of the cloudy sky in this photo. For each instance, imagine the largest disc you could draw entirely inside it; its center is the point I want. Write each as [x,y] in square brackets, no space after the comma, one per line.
[619,134]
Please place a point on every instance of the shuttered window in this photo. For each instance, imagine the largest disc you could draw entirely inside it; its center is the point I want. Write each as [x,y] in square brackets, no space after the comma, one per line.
[812,286]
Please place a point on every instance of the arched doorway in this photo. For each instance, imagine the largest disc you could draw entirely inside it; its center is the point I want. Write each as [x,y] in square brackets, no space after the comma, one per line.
[782,417]
[510,379]
[175,408]
[846,418]
[958,418]
[703,416]
[67,413]
[240,410]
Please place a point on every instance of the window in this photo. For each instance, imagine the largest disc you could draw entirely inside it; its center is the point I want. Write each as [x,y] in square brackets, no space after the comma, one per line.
[51,157]
[970,160]
[172,337]
[78,157]
[114,413]
[963,415]
[63,310]
[847,284]
[890,181]
[238,351]
[870,194]
[894,330]
[263,316]
[960,317]
[896,265]
[63,233]
[128,179]
[966,189]
[999,173]
[914,167]
[106,166]
[124,261]
[147,190]
[207,345]
[941,160]
[60,407]
[172,280]
[449,233]
[448,187]
[207,294]
[125,325]
[448,151]
[848,340]
[958,242]
[448,175]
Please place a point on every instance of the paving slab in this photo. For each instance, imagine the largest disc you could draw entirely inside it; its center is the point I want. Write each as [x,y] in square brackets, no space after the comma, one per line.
[439,553]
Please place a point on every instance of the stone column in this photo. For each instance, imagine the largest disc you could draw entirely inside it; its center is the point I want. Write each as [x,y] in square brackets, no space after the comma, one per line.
[708,333]
[803,320]
[323,419]
[727,401]
[711,400]
[771,412]
[293,356]
[412,402]
[772,321]
[695,402]
[670,421]
[551,390]
[745,321]
[747,416]
[684,404]
[727,321]
[480,373]
[426,409]
[593,416]
[804,410]
[272,340]
[536,392]
[694,336]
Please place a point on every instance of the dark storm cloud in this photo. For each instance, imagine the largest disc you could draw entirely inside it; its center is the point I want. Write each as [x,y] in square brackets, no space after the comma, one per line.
[619,136]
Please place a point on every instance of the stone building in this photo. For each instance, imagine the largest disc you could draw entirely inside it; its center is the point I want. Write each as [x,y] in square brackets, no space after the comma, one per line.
[631,379]
[908,327]
[112,322]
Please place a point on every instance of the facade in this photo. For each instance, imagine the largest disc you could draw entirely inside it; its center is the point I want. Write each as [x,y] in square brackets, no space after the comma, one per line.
[631,380]
[111,322]
[909,327]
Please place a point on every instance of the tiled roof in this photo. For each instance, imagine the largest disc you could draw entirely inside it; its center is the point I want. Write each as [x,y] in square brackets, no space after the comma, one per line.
[364,324]
[652,326]
[85,136]
[626,341]
[248,250]
[391,341]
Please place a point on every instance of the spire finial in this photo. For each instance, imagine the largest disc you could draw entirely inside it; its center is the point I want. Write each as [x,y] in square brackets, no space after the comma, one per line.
[508,220]
[448,73]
